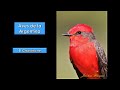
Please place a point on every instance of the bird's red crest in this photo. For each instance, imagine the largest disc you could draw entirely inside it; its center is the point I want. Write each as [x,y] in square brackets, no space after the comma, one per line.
[80,27]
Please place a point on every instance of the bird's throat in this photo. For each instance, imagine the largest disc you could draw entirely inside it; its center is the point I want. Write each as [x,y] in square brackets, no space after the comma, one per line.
[75,41]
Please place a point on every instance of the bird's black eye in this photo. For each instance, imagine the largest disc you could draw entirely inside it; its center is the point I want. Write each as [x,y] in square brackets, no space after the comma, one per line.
[79,32]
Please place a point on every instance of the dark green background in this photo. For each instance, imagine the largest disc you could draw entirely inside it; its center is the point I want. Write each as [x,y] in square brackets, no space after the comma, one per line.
[67,19]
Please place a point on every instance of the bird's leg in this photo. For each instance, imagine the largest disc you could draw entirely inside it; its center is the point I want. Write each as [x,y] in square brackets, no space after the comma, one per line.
[83,77]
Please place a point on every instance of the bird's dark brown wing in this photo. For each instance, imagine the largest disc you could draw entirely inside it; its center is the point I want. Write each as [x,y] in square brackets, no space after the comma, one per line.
[102,60]
[79,74]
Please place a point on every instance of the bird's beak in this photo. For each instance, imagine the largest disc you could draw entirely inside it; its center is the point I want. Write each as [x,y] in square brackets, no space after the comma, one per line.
[67,34]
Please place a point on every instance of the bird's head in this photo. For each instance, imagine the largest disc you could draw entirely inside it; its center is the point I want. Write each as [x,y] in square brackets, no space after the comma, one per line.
[80,33]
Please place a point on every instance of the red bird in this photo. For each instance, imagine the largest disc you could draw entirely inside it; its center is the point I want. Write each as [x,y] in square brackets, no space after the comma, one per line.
[86,54]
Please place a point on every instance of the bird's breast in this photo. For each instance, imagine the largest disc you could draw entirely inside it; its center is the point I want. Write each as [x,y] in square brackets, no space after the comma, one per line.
[85,58]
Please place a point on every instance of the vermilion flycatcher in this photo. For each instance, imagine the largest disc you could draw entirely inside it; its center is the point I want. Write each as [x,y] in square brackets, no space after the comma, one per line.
[86,54]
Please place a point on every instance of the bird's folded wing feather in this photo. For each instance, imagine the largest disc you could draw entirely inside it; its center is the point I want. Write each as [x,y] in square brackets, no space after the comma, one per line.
[102,60]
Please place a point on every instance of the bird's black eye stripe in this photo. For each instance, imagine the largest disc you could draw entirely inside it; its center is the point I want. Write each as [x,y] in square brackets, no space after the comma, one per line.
[79,32]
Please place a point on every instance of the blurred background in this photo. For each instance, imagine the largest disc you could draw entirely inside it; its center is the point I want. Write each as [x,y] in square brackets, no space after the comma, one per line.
[66,20]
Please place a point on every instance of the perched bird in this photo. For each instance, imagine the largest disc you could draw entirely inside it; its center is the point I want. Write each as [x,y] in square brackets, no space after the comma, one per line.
[86,55]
